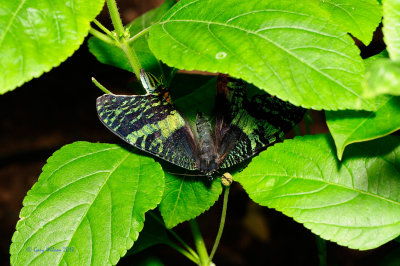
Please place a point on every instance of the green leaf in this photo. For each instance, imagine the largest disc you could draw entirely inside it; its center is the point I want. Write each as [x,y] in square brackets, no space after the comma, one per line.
[359,17]
[200,100]
[114,56]
[184,84]
[283,47]
[383,77]
[37,35]
[153,233]
[349,126]
[90,198]
[392,258]
[148,261]
[355,203]
[187,197]
[391,27]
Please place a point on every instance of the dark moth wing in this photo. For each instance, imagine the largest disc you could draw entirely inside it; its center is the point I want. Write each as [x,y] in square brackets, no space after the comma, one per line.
[149,123]
[243,128]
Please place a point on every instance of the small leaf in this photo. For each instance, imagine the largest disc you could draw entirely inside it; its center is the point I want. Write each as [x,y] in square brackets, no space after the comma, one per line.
[36,36]
[283,47]
[355,203]
[90,198]
[114,56]
[391,27]
[359,17]
[350,126]
[187,197]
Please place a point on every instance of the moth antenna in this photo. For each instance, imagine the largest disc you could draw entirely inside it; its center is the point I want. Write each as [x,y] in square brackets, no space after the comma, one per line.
[180,174]
[219,173]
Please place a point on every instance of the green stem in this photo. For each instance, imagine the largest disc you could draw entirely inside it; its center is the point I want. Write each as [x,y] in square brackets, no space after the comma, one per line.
[122,40]
[307,121]
[176,236]
[115,17]
[104,29]
[101,36]
[101,87]
[221,225]
[199,242]
[139,34]
[321,246]
[132,57]
[297,131]
[183,252]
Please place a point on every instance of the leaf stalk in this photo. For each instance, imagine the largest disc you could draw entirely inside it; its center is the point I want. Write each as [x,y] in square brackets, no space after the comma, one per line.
[199,242]
[221,225]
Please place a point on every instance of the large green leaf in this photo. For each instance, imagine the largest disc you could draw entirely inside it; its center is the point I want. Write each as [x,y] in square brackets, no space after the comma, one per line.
[90,198]
[187,197]
[112,55]
[359,17]
[391,27]
[37,35]
[355,203]
[283,47]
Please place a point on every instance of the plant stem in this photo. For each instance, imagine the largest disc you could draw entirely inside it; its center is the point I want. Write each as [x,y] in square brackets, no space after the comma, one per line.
[308,121]
[297,131]
[101,36]
[183,252]
[104,29]
[101,87]
[115,18]
[132,57]
[122,38]
[221,225]
[139,34]
[155,217]
[199,242]
[321,246]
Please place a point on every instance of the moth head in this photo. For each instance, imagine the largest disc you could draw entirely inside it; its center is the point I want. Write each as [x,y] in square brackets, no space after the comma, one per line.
[208,173]
[150,82]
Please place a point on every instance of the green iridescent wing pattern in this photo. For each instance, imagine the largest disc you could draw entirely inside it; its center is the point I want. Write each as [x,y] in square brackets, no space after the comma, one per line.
[248,127]
[149,123]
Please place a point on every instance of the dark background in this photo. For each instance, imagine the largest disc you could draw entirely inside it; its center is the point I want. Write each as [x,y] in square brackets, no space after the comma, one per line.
[59,108]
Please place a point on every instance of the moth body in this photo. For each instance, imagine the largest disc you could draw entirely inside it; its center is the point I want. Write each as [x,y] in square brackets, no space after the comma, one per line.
[207,152]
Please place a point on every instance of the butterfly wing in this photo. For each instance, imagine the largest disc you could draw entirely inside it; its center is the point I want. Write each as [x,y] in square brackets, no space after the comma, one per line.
[247,127]
[149,123]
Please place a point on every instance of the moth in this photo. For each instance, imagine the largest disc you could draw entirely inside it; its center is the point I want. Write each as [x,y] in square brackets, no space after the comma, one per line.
[242,127]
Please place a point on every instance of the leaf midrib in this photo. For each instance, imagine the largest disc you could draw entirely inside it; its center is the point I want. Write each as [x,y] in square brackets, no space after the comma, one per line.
[347,141]
[367,193]
[276,45]
[176,202]
[11,21]
[91,204]
[87,210]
